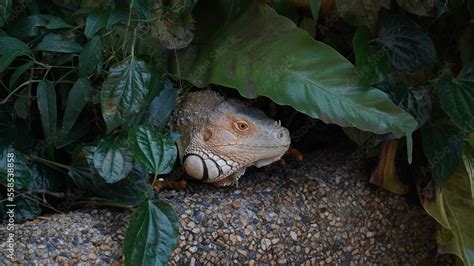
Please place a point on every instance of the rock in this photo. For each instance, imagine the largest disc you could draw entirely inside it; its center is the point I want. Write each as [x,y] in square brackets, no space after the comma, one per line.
[293,236]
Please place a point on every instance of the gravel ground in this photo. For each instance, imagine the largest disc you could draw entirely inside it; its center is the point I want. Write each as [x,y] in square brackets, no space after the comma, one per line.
[321,212]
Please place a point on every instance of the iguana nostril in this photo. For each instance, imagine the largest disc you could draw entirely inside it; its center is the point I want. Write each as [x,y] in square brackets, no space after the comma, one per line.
[281,135]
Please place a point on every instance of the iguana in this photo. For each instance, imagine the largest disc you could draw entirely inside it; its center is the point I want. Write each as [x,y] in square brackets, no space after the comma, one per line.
[220,138]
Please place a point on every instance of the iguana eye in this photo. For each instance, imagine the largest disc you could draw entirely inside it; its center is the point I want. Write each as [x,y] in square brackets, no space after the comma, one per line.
[241,125]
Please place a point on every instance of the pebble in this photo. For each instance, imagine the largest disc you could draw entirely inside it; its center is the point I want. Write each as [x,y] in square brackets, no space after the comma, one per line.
[321,211]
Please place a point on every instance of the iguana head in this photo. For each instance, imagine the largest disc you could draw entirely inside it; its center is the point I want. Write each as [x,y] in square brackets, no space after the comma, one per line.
[232,138]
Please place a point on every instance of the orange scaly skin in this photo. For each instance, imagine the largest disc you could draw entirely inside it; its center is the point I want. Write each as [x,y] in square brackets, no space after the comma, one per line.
[221,138]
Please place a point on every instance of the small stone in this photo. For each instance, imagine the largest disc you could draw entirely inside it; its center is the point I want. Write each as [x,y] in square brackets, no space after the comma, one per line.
[265,243]
[236,204]
[193,249]
[282,261]
[233,239]
[370,234]
[293,236]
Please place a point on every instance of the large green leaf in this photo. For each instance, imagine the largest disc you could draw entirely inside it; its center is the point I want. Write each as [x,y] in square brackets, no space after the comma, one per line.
[14,166]
[443,146]
[453,210]
[26,208]
[457,98]
[46,99]
[372,64]
[90,57]
[76,101]
[53,42]
[151,235]
[408,46]
[113,160]
[154,150]
[282,62]
[123,92]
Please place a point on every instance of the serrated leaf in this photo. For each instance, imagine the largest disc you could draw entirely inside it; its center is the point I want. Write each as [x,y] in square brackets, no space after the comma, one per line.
[452,208]
[161,107]
[372,64]
[443,147]
[311,77]
[457,98]
[13,160]
[407,45]
[113,159]
[416,101]
[151,235]
[76,101]
[18,73]
[123,92]
[154,150]
[52,42]
[96,20]
[26,208]
[46,99]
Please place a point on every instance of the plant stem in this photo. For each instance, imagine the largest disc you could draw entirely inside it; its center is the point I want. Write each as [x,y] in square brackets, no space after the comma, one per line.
[17,89]
[48,162]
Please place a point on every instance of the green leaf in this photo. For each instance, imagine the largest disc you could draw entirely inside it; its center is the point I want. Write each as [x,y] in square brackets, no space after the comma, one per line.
[407,45]
[161,107]
[123,92]
[457,98]
[55,23]
[96,20]
[361,12]
[22,103]
[11,48]
[154,150]
[28,27]
[26,208]
[143,8]
[372,64]
[113,160]
[76,101]
[52,42]
[14,166]
[443,146]
[91,56]
[152,234]
[46,99]
[452,209]
[79,130]
[9,45]
[416,101]
[5,9]
[18,73]
[315,5]
[284,63]
[116,16]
